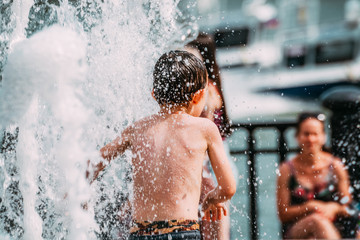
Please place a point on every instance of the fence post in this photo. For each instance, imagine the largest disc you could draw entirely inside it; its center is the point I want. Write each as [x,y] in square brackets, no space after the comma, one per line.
[251,152]
[253,186]
[283,149]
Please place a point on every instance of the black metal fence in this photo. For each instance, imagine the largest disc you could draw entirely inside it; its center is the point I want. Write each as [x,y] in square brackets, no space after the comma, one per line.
[251,151]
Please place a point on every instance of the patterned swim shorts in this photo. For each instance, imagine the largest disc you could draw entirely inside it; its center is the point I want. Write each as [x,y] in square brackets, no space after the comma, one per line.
[146,228]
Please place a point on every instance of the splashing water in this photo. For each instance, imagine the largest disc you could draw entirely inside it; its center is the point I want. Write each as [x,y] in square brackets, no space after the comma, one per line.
[66,91]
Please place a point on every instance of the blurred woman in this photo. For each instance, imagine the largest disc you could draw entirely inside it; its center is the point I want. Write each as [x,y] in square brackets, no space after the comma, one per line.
[204,48]
[313,188]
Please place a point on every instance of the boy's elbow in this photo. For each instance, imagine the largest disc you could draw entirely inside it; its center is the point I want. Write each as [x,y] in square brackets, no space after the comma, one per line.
[232,191]
[229,192]
[232,188]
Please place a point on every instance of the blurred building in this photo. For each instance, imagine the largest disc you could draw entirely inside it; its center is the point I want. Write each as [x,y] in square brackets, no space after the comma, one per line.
[286,53]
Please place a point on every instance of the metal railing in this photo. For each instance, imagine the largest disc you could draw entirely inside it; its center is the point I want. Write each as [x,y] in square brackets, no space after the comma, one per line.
[251,151]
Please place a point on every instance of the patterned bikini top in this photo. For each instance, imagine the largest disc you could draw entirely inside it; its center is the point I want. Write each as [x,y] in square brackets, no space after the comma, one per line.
[324,191]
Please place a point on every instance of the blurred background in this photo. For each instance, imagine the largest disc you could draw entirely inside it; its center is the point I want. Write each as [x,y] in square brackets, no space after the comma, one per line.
[277,58]
[287,53]
[280,58]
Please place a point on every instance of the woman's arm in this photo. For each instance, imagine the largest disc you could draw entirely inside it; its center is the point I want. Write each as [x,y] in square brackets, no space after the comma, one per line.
[288,213]
[333,209]
[343,182]
[343,188]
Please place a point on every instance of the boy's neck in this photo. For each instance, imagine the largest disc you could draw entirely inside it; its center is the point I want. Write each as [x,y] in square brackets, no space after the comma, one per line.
[174,109]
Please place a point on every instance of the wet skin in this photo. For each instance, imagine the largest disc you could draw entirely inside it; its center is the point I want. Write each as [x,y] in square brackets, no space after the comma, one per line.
[168,150]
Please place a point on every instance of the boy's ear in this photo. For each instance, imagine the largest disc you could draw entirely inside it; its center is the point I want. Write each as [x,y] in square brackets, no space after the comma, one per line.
[198,96]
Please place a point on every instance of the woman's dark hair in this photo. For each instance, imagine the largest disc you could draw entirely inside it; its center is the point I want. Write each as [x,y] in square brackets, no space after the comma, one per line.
[205,43]
[310,115]
[177,76]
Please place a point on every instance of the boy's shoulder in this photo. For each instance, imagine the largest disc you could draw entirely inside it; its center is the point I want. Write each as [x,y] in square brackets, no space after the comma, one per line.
[187,120]
[141,123]
[204,121]
[205,124]
[144,123]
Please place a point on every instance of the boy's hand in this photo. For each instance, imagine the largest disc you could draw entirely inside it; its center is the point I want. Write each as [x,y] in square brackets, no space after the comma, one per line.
[213,212]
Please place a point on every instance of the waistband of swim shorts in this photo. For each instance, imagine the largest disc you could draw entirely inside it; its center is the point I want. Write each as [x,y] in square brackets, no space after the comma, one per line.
[144,228]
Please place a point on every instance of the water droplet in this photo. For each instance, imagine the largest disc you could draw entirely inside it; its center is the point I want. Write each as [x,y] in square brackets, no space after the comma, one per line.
[344,200]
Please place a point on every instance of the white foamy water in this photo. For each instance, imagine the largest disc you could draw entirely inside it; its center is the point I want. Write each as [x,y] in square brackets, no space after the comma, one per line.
[69,92]
[47,71]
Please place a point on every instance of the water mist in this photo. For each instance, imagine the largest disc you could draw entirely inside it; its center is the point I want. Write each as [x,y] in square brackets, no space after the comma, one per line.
[82,75]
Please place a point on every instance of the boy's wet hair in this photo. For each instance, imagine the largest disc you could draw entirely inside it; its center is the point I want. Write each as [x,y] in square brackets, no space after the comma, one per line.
[177,76]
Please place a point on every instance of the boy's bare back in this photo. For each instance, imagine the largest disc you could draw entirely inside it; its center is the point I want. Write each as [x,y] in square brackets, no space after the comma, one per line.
[168,148]
[167,165]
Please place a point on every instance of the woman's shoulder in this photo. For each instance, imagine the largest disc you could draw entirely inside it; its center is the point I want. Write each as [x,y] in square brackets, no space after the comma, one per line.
[289,163]
[286,168]
[332,160]
[336,163]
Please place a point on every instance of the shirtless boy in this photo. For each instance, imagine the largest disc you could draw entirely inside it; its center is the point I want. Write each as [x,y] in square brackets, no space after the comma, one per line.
[168,150]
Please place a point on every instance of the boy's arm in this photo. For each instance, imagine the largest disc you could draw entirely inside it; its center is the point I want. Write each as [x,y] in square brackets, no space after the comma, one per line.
[226,183]
[109,152]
